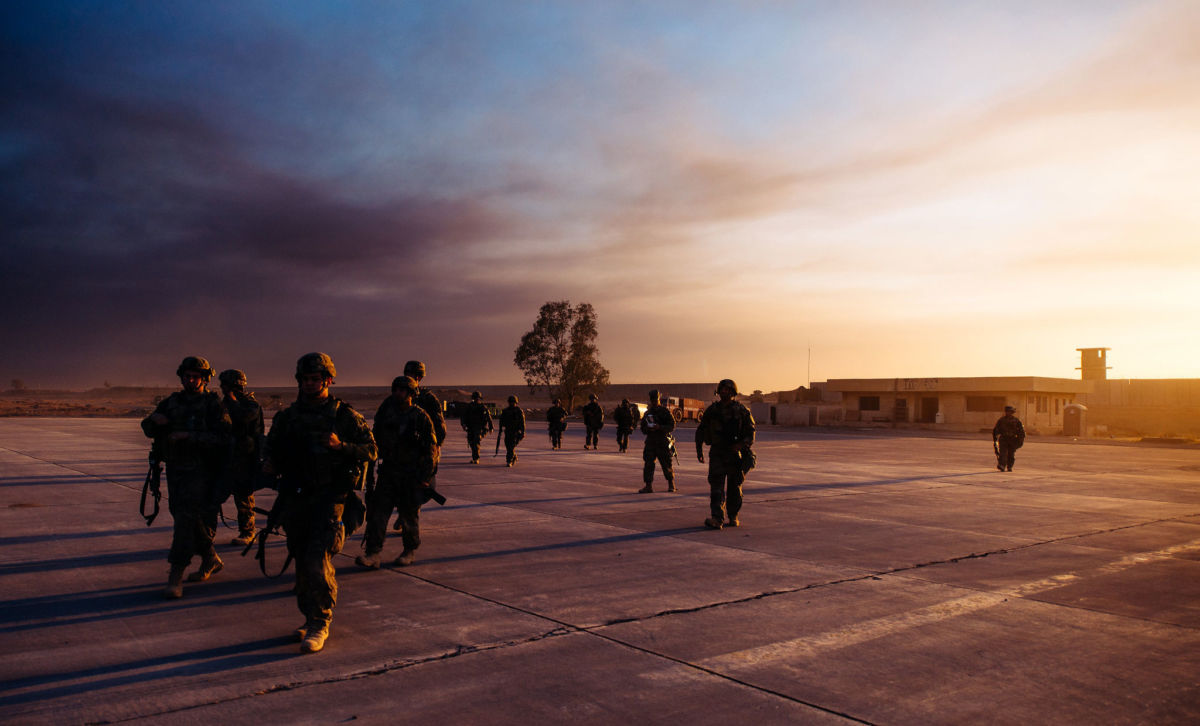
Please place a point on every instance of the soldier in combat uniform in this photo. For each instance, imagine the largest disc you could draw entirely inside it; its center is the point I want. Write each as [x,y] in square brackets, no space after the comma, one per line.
[320,446]
[191,433]
[1008,435]
[728,428]
[556,416]
[626,418]
[246,461]
[408,453]
[593,421]
[477,422]
[657,425]
[512,424]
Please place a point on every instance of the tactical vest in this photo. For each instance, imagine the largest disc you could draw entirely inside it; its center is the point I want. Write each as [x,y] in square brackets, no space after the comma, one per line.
[309,463]
[193,413]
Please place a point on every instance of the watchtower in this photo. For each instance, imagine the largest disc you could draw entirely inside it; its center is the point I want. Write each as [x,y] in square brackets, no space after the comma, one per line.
[1092,364]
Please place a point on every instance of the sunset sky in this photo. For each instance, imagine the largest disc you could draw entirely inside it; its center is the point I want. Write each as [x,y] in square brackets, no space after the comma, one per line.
[906,189]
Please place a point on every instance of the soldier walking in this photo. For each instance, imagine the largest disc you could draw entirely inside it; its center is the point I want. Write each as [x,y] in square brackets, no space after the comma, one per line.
[1008,435]
[477,422]
[625,416]
[320,446]
[408,453]
[593,421]
[512,427]
[658,426]
[556,417]
[728,428]
[191,433]
[246,461]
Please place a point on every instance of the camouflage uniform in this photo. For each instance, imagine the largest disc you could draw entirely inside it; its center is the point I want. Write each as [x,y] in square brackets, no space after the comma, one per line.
[1009,435]
[477,422]
[408,453]
[625,418]
[512,422]
[194,469]
[659,444]
[728,428]
[246,461]
[556,416]
[316,480]
[593,421]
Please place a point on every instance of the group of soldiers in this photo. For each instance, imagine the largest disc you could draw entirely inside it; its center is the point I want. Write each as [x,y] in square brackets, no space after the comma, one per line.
[320,452]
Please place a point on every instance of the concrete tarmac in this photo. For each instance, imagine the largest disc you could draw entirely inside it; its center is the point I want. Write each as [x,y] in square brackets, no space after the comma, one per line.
[876,578]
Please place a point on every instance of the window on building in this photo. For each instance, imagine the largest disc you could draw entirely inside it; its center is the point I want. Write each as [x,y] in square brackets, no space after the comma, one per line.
[1057,403]
[868,403]
[1043,404]
[985,403]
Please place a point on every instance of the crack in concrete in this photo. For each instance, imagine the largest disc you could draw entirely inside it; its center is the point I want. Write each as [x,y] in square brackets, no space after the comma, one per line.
[383,669]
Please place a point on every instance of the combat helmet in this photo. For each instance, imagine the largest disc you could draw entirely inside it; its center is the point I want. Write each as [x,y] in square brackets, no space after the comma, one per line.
[476,396]
[405,383]
[512,400]
[315,363]
[727,382]
[195,363]
[591,397]
[233,378]
[414,369]
[653,394]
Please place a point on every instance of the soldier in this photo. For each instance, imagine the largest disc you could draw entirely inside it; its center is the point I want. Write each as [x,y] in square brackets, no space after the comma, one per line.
[593,421]
[191,433]
[625,417]
[429,403]
[1008,435]
[408,451]
[320,447]
[512,425]
[556,416]
[246,461]
[477,422]
[728,428]
[657,425]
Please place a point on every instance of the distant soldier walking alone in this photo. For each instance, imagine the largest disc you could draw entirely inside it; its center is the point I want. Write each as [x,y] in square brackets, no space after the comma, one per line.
[556,418]
[593,421]
[1008,435]
[191,434]
[728,428]
[625,417]
[658,426]
[512,428]
[477,422]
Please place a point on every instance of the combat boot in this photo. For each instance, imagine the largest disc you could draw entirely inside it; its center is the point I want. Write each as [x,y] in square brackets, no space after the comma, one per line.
[712,523]
[734,522]
[174,588]
[208,568]
[646,490]
[405,559]
[314,638]
[671,486]
[300,632]
[243,539]
[369,560]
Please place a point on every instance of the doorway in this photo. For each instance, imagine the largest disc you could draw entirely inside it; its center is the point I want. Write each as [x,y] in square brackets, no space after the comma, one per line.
[929,409]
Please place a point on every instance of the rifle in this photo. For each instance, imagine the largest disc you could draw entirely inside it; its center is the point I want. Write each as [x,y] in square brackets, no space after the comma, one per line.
[996,448]
[153,484]
[274,520]
[671,446]
[499,435]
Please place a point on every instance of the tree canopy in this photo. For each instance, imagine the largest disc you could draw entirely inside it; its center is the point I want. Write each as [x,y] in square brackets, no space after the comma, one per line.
[560,353]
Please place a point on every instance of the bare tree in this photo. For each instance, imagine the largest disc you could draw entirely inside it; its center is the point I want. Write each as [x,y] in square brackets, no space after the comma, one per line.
[560,353]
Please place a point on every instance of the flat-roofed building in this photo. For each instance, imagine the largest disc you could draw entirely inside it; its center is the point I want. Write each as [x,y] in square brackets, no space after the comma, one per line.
[963,404]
